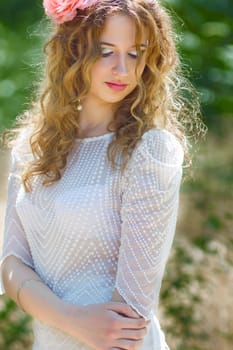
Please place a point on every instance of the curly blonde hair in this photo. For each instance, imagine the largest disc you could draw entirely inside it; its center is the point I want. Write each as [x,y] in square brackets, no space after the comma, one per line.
[161,98]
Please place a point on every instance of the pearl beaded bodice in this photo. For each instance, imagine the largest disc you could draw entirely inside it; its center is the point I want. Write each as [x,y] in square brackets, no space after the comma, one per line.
[95,229]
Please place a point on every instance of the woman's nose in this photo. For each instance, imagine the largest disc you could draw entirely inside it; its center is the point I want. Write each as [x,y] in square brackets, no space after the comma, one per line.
[121,66]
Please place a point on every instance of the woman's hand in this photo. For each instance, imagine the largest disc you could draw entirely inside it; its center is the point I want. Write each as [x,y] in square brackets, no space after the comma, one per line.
[107,326]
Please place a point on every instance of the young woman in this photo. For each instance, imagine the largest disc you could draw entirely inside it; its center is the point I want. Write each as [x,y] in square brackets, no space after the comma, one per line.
[95,177]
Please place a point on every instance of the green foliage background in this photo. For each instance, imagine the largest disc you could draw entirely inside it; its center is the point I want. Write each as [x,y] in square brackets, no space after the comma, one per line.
[205,31]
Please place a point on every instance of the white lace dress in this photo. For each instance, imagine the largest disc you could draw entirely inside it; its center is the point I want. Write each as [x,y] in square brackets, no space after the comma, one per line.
[96,230]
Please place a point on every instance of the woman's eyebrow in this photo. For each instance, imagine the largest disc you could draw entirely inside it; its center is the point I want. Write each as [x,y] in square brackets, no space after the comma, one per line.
[109,44]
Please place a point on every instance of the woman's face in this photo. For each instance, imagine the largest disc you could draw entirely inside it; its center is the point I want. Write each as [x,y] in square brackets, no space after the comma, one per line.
[113,75]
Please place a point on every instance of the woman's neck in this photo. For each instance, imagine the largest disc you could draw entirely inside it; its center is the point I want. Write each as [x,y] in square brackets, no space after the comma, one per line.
[94,120]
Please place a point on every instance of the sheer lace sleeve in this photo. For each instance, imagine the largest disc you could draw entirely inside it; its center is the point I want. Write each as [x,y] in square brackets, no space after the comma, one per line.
[148,213]
[14,240]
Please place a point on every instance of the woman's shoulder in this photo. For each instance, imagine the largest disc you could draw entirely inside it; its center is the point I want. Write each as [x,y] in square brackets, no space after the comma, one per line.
[161,146]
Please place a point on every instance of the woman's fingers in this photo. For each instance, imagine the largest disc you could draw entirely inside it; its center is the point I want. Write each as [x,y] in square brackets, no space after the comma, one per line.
[130,323]
[126,316]
[123,309]
[137,334]
[128,344]
[101,326]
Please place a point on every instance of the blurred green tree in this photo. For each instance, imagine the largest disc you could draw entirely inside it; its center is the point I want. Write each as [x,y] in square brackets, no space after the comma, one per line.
[206,45]
[19,47]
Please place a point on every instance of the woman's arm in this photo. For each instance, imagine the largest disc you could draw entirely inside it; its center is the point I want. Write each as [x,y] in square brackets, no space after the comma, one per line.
[35,297]
[101,326]
[150,194]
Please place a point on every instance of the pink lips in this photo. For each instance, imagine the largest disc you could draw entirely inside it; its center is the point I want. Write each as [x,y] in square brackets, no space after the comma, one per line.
[116,86]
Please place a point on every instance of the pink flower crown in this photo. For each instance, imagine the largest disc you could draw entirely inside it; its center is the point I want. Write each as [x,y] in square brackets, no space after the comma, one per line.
[62,11]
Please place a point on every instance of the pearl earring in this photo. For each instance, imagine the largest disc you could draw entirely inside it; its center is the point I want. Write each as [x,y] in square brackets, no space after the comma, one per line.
[79,106]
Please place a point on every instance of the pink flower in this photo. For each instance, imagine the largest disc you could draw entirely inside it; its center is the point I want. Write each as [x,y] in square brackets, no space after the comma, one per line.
[65,10]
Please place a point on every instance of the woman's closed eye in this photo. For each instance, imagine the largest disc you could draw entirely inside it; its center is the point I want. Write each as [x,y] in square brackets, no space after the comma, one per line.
[134,54]
[107,52]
